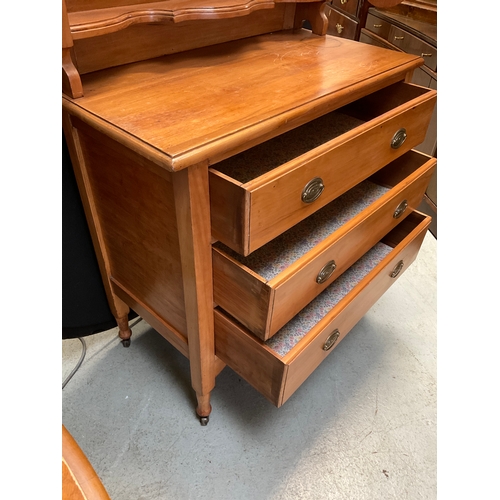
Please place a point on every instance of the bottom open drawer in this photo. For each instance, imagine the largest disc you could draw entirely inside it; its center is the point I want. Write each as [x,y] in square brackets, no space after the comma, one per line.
[277,367]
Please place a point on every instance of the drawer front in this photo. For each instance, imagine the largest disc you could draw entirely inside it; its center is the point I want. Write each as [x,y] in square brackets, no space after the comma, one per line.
[340,25]
[378,26]
[245,217]
[263,298]
[348,6]
[277,376]
[413,45]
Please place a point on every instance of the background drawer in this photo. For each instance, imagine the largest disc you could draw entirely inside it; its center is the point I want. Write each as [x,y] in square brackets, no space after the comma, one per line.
[276,368]
[254,200]
[266,289]
[413,45]
[348,6]
[340,25]
[378,26]
[370,38]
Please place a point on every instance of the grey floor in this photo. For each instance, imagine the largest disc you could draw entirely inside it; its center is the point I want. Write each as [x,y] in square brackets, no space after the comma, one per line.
[363,426]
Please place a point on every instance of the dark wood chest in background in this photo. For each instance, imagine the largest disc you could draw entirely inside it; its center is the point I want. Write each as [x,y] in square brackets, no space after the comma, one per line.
[411,27]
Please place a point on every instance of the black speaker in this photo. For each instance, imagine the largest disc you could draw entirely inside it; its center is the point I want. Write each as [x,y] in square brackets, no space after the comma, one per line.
[85,308]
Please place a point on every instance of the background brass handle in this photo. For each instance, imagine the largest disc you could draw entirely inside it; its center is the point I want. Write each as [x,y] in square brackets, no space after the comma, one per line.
[330,341]
[339,27]
[312,190]
[326,272]
[398,138]
[426,55]
[397,269]
[377,25]
[343,1]
[399,38]
[400,209]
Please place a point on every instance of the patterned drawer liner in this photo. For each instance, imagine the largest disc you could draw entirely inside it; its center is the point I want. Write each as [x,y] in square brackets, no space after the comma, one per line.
[274,257]
[290,335]
[260,159]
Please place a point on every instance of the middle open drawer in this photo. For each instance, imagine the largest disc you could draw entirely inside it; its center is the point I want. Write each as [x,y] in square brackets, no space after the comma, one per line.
[264,290]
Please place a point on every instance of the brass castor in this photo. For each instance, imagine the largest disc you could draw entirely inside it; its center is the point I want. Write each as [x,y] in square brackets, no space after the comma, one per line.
[126,343]
[204,420]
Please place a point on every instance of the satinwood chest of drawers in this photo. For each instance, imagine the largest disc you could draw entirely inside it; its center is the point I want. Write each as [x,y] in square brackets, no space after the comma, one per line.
[250,185]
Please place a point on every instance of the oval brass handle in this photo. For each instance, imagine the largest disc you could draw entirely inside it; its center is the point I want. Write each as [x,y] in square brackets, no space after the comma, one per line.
[330,341]
[312,190]
[397,269]
[399,38]
[339,27]
[326,272]
[398,138]
[400,209]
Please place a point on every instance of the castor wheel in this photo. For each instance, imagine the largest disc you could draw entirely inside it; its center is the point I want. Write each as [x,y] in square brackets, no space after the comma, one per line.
[204,420]
[126,342]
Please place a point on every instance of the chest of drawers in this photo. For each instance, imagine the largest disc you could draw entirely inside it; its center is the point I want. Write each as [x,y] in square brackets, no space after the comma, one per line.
[415,32]
[251,192]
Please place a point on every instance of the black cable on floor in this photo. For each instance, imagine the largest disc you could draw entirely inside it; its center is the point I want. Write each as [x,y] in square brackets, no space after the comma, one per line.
[75,369]
[84,345]
[135,322]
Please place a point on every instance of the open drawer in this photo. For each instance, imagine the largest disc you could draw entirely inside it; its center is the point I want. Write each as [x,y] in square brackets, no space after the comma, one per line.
[276,368]
[264,290]
[263,191]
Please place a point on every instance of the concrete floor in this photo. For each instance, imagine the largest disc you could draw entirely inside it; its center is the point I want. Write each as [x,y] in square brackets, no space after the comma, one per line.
[362,426]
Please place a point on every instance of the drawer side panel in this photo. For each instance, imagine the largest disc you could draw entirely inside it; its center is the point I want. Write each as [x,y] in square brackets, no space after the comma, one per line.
[228,211]
[249,358]
[240,293]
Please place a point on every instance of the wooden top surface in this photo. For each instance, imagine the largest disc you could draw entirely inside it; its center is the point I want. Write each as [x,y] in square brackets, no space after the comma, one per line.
[209,103]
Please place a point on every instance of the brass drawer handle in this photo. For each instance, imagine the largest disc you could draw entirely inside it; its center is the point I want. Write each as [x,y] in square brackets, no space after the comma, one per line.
[397,269]
[400,209]
[312,190]
[399,38]
[326,272]
[377,25]
[343,2]
[330,341]
[424,54]
[398,138]
[339,27]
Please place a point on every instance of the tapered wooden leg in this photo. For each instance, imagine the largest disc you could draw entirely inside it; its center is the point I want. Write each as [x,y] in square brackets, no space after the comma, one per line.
[204,408]
[193,223]
[124,331]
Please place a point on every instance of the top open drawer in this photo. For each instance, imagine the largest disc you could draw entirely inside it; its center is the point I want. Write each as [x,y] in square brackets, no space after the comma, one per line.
[260,193]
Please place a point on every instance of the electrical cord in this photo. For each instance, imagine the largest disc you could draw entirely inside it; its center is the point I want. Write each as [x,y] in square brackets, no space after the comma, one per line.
[135,322]
[84,350]
[75,369]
